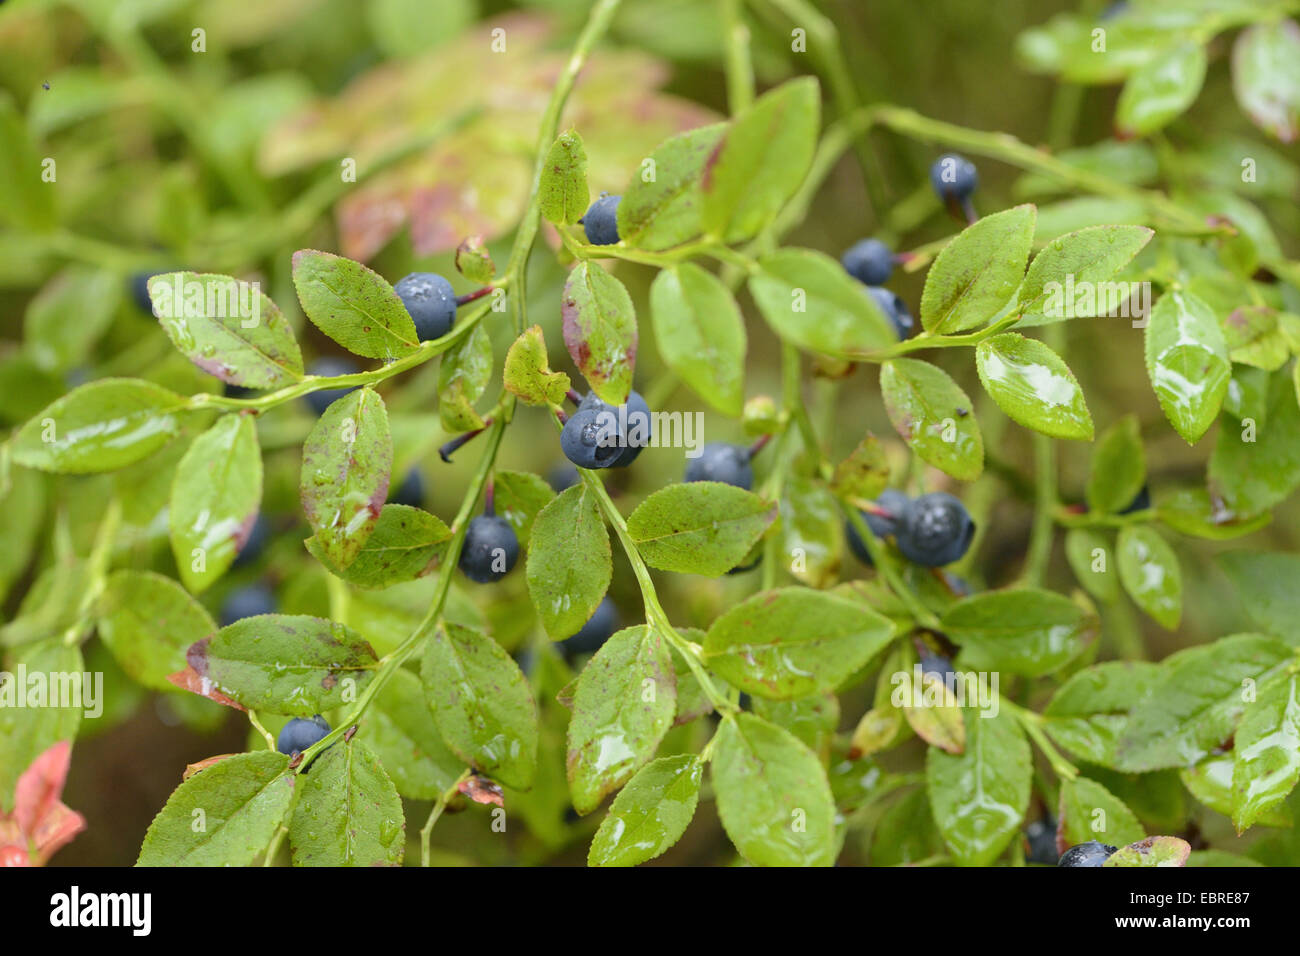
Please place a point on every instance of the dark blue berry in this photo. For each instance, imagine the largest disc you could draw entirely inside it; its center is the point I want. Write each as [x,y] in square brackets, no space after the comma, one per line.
[954,178]
[248,601]
[600,221]
[329,367]
[1091,853]
[869,261]
[410,491]
[936,665]
[591,440]
[255,542]
[1040,841]
[936,530]
[140,290]
[491,549]
[300,733]
[1141,502]
[895,310]
[561,477]
[239,391]
[891,500]
[588,640]
[720,461]
[431,301]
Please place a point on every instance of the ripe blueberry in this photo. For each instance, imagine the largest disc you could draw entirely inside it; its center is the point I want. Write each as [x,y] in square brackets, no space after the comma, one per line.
[891,500]
[936,530]
[936,665]
[1040,841]
[895,310]
[140,290]
[410,491]
[954,178]
[720,461]
[869,261]
[600,222]
[588,440]
[248,601]
[593,634]
[491,549]
[1091,853]
[430,300]
[561,477]
[255,541]
[1141,502]
[329,367]
[300,733]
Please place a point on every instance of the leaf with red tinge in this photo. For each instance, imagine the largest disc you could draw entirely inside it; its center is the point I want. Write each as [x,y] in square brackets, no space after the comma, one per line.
[40,824]
[189,679]
[192,768]
[1153,851]
[482,790]
[600,331]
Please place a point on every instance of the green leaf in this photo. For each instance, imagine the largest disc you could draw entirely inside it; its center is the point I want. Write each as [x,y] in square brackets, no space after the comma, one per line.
[931,708]
[1153,851]
[474,262]
[354,306]
[1080,263]
[1196,704]
[224,815]
[1022,631]
[1090,711]
[1161,90]
[407,543]
[624,703]
[650,814]
[761,160]
[401,731]
[285,663]
[977,273]
[1266,77]
[1191,511]
[1256,466]
[865,473]
[1187,360]
[482,704]
[149,621]
[1033,385]
[812,719]
[810,301]
[699,527]
[1088,811]
[26,201]
[1119,467]
[811,530]
[1267,752]
[346,462]
[600,331]
[68,316]
[906,832]
[792,642]
[772,793]
[1254,337]
[569,561]
[349,813]
[934,416]
[228,328]
[1265,586]
[562,192]
[463,375]
[979,796]
[1148,569]
[214,500]
[660,208]
[27,732]
[1210,782]
[1093,562]
[520,497]
[701,334]
[100,426]
[528,374]
[1218,859]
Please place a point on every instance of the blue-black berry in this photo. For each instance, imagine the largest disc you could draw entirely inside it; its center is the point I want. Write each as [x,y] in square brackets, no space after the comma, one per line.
[1091,853]
[140,290]
[590,440]
[593,634]
[410,491]
[1040,841]
[329,367]
[720,461]
[300,733]
[954,178]
[491,549]
[894,308]
[600,221]
[561,477]
[255,542]
[869,261]
[938,666]
[891,500]
[430,300]
[936,530]
[1140,502]
[248,601]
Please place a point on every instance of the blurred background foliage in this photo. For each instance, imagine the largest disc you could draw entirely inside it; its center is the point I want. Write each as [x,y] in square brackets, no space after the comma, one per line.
[229,159]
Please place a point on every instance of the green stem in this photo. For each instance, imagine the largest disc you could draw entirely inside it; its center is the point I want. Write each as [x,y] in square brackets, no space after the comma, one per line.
[257,725]
[884,564]
[1033,725]
[434,814]
[740,70]
[1041,532]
